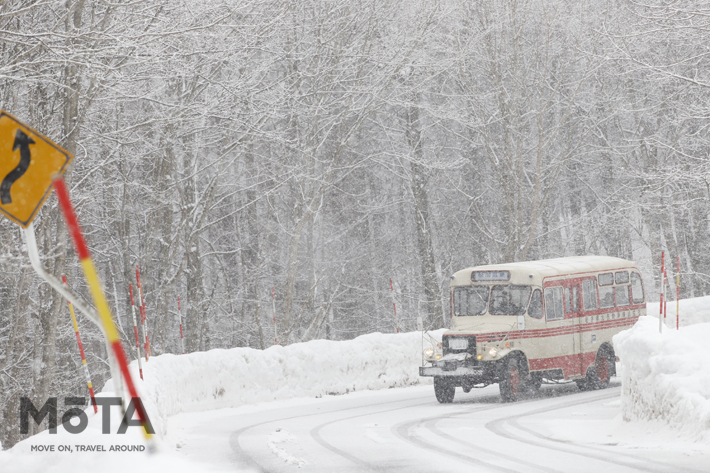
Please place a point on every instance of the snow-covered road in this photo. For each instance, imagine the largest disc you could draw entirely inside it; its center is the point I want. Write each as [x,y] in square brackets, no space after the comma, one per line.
[405,429]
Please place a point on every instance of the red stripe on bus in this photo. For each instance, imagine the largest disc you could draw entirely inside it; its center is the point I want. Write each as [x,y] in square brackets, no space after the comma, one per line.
[554,331]
[570,364]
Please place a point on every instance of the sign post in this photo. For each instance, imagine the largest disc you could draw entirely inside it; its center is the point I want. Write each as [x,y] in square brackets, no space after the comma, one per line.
[30,164]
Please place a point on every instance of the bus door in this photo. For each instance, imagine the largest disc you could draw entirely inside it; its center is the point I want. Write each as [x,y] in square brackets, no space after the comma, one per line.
[561,340]
[573,313]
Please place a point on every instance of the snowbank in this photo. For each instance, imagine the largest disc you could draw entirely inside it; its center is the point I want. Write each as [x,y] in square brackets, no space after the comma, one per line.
[666,377]
[229,378]
[224,378]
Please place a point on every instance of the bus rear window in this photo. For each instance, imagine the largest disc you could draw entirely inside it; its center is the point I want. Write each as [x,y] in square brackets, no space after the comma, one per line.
[636,288]
[470,300]
[509,300]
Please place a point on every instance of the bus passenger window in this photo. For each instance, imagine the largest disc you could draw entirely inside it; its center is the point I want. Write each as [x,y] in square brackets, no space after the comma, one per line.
[621,277]
[589,294]
[535,308]
[606,279]
[636,288]
[606,297]
[553,303]
[622,295]
[568,299]
[574,299]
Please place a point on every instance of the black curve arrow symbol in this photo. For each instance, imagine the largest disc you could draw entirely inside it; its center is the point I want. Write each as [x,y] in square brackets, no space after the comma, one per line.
[23,142]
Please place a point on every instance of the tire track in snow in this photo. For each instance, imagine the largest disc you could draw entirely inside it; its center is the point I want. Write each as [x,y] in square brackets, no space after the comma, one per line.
[403,431]
[250,461]
[628,460]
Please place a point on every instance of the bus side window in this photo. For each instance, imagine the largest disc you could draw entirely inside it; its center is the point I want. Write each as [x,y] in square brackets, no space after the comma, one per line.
[535,308]
[553,303]
[622,295]
[636,288]
[606,297]
[574,299]
[589,294]
[568,299]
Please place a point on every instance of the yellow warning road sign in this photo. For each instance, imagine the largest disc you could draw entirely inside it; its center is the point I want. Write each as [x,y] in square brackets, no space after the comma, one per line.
[28,161]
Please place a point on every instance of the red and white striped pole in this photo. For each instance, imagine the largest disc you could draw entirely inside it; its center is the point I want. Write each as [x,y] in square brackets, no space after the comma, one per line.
[273,303]
[144,318]
[394,304]
[135,331]
[92,278]
[677,297]
[81,350]
[665,302]
[182,340]
[660,308]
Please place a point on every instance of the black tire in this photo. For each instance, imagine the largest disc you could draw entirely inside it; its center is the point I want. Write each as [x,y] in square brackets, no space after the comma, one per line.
[511,380]
[603,368]
[534,383]
[582,384]
[444,390]
[599,375]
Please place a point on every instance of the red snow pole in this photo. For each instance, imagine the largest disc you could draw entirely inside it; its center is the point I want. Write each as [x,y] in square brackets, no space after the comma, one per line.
[665,302]
[394,304]
[677,296]
[135,331]
[273,303]
[144,318]
[81,350]
[182,340]
[660,308]
[92,278]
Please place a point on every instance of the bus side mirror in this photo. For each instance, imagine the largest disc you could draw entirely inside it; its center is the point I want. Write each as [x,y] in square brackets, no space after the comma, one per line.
[521,322]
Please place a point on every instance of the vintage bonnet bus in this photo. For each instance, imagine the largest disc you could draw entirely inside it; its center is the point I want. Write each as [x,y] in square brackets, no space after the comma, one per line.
[515,324]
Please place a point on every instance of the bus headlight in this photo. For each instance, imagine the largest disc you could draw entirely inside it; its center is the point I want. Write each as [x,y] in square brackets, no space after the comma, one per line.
[493,352]
[429,353]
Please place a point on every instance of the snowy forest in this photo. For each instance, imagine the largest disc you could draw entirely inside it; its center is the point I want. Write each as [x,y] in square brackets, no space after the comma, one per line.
[275,163]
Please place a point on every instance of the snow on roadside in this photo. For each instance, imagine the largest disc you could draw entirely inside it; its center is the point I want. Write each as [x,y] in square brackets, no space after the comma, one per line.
[230,378]
[224,378]
[665,377]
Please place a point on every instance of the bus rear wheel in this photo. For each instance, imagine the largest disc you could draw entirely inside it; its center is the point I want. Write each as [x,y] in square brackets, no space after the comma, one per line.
[598,377]
[444,390]
[511,381]
[603,368]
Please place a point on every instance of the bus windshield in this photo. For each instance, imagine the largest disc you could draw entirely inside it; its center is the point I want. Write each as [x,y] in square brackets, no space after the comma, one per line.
[509,300]
[471,300]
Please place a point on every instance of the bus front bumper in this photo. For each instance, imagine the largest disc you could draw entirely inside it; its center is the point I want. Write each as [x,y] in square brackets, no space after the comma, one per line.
[474,371]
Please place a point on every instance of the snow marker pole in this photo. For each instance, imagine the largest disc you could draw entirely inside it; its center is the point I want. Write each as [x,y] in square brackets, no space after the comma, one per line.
[144,318]
[394,304]
[135,331]
[273,302]
[660,308]
[182,340]
[81,350]
[677,296]
[665,302]
[102,307]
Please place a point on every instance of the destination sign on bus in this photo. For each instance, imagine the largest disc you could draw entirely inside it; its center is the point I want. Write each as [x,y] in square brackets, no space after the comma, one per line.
[490,276]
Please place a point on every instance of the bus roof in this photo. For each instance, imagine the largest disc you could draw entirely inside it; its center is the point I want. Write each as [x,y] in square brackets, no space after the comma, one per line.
[533,272]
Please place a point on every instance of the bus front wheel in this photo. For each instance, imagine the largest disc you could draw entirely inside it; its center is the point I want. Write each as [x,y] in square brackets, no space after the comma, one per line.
[444,390]
[511,381]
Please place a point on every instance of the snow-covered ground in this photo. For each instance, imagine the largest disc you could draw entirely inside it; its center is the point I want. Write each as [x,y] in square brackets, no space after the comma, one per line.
[286,408]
